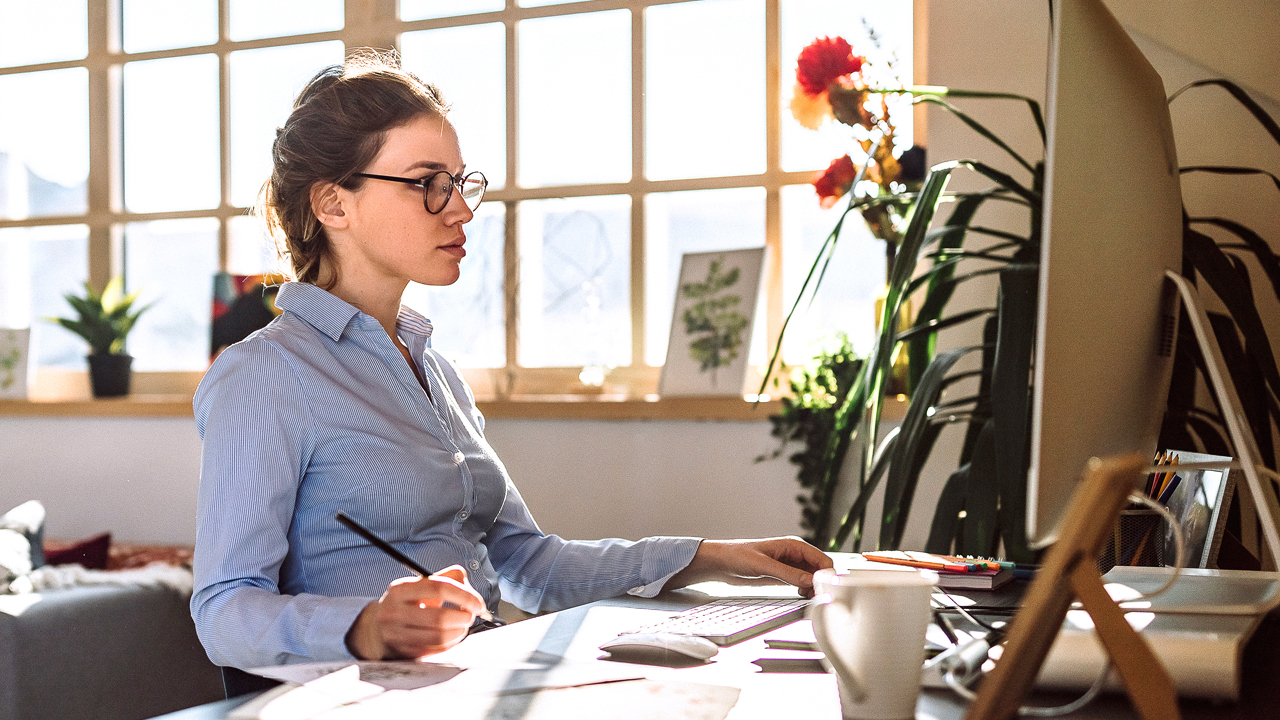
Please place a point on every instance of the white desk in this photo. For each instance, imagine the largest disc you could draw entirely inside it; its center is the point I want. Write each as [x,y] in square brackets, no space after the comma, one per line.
[577,633]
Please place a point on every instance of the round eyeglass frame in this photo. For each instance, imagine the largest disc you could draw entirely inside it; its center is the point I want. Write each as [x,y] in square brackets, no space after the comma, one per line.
[455,181]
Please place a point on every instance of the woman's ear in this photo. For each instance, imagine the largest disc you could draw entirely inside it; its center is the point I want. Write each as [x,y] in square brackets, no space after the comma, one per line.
[327,204]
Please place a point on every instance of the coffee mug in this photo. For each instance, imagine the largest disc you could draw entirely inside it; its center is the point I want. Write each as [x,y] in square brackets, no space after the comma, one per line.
[871,626]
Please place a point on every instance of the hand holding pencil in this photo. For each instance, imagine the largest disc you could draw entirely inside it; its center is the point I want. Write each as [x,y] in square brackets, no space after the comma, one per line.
[416,616]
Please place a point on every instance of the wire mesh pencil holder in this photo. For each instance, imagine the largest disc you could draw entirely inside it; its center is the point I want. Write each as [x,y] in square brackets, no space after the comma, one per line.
[1137,539]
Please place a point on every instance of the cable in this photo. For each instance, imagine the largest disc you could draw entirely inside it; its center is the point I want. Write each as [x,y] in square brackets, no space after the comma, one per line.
[1179,544]
[967,616]
[1072,706]
[957,684]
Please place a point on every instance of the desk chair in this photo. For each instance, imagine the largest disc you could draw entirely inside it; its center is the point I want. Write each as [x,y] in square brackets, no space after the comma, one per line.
[236,682]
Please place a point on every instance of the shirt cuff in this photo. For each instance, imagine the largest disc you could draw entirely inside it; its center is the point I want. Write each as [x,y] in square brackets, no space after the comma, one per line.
[327,631]
[663,558]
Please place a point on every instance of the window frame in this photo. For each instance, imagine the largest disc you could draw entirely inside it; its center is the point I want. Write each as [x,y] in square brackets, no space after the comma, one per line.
[375,23]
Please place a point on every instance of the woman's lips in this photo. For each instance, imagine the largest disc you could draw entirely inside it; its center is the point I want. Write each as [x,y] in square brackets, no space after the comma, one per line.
[455,249]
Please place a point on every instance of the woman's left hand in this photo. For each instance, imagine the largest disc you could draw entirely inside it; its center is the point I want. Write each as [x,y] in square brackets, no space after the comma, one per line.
[754,562]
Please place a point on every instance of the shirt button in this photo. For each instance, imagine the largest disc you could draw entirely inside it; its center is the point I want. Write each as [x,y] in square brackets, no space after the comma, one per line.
[474,564]
[464,515]
[459,457]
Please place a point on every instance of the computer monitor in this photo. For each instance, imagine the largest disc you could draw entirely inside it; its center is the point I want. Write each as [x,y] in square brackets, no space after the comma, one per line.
[1111,228]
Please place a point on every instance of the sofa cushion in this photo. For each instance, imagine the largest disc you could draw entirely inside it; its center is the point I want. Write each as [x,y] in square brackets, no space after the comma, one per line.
[90,553]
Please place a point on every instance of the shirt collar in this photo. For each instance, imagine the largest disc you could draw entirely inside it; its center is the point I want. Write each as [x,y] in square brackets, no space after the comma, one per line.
[410,320]
[331,315]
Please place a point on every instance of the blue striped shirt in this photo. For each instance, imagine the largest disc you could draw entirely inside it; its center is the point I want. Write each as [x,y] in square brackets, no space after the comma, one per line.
[319,412]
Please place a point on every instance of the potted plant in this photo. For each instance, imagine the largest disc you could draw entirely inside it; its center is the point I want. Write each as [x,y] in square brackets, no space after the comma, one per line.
[104,321]
[981,502]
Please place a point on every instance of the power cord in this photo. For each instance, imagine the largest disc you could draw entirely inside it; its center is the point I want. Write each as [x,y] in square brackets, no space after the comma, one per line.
[962,664]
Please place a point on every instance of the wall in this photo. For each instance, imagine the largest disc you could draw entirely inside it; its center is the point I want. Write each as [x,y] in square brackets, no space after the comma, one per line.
[137,477]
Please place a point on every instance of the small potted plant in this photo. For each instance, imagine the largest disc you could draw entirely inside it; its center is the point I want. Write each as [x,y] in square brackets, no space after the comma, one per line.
[104,322]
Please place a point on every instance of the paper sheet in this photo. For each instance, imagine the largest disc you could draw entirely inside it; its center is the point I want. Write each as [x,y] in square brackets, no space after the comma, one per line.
[391,675]
[630,700]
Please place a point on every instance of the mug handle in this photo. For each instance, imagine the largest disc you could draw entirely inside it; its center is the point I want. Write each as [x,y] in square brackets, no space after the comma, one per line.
[853,683]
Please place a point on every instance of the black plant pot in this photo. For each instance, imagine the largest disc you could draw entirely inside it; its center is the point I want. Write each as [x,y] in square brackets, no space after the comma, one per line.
[109,374]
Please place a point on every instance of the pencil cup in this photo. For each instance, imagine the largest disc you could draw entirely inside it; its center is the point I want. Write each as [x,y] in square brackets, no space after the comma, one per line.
[870,624]
[1136,539]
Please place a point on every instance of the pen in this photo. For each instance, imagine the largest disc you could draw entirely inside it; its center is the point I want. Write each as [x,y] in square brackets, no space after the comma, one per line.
[395,554]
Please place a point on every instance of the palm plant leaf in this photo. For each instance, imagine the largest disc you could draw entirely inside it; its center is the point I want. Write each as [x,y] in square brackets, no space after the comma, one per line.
[978,531]
[941,324]
[946,515]
[852,519]
[916,433]
[938,91]
[975,126]
[941,283]
[1207,258]
[1267,122]
[1267,259]
[819,268]
[1229,170]
[859,414]
[1011,401]
[1249,384]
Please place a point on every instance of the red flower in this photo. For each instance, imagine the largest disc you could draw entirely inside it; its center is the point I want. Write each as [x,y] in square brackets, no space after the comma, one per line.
[824,60]
[835,181]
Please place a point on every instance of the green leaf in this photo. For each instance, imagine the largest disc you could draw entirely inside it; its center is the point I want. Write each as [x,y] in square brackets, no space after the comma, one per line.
[104,321]
[946,514]
[1011,401]
[1261,249]
[939,91]
[853,517]
[976,127]
[915,432]
[978,536]
[1242,97]
[1206,258]
[112,295]
[1229,170]
[942,324]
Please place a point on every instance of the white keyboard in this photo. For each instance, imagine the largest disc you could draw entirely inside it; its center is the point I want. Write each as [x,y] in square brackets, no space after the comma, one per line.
[731,620]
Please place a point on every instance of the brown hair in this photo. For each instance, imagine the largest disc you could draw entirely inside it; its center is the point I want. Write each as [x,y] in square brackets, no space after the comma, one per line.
[337,127]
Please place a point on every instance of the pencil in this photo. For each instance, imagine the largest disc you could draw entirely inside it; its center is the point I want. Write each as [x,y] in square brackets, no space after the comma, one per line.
[395,554]
[922,564]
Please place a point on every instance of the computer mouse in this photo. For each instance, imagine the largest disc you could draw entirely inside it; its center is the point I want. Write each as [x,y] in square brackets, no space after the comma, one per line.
[660,648]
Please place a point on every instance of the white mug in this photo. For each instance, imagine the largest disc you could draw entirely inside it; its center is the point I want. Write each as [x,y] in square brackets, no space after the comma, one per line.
[871,626]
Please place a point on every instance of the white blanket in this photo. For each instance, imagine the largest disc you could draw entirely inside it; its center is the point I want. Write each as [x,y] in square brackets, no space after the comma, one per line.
[60,577]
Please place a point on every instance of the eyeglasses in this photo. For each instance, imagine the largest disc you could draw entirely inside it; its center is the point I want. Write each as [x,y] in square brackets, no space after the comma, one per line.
[437,188]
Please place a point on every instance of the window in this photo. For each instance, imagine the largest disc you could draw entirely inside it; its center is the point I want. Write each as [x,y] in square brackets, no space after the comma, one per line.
[616,136]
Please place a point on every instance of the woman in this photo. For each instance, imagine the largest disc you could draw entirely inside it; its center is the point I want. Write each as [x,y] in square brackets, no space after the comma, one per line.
[340,404]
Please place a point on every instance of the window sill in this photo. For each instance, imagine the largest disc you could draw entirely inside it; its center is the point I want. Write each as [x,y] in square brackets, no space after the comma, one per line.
[66,394]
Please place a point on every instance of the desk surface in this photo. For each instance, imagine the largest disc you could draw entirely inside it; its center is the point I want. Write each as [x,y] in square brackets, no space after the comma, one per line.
[576,633]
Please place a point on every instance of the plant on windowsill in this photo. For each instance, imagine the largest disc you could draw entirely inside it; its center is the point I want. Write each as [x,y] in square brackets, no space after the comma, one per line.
[104,321]
[807,416]
[982,503]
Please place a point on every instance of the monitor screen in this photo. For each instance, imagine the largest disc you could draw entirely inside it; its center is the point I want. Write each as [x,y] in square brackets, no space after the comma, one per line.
[1111,227]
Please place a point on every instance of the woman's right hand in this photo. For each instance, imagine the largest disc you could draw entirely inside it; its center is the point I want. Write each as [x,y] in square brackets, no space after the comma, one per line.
[416,616]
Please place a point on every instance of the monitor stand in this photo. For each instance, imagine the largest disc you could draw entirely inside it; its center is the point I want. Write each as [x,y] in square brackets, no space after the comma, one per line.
[1217,592]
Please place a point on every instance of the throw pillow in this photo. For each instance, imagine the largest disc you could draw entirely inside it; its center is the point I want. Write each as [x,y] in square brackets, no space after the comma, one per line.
[90,553]
[28,519]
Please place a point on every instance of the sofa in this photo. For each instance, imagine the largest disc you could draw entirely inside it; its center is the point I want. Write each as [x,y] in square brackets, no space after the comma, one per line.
[103,652]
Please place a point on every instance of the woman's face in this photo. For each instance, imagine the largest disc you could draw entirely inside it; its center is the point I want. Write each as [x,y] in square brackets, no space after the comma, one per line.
[391,236]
